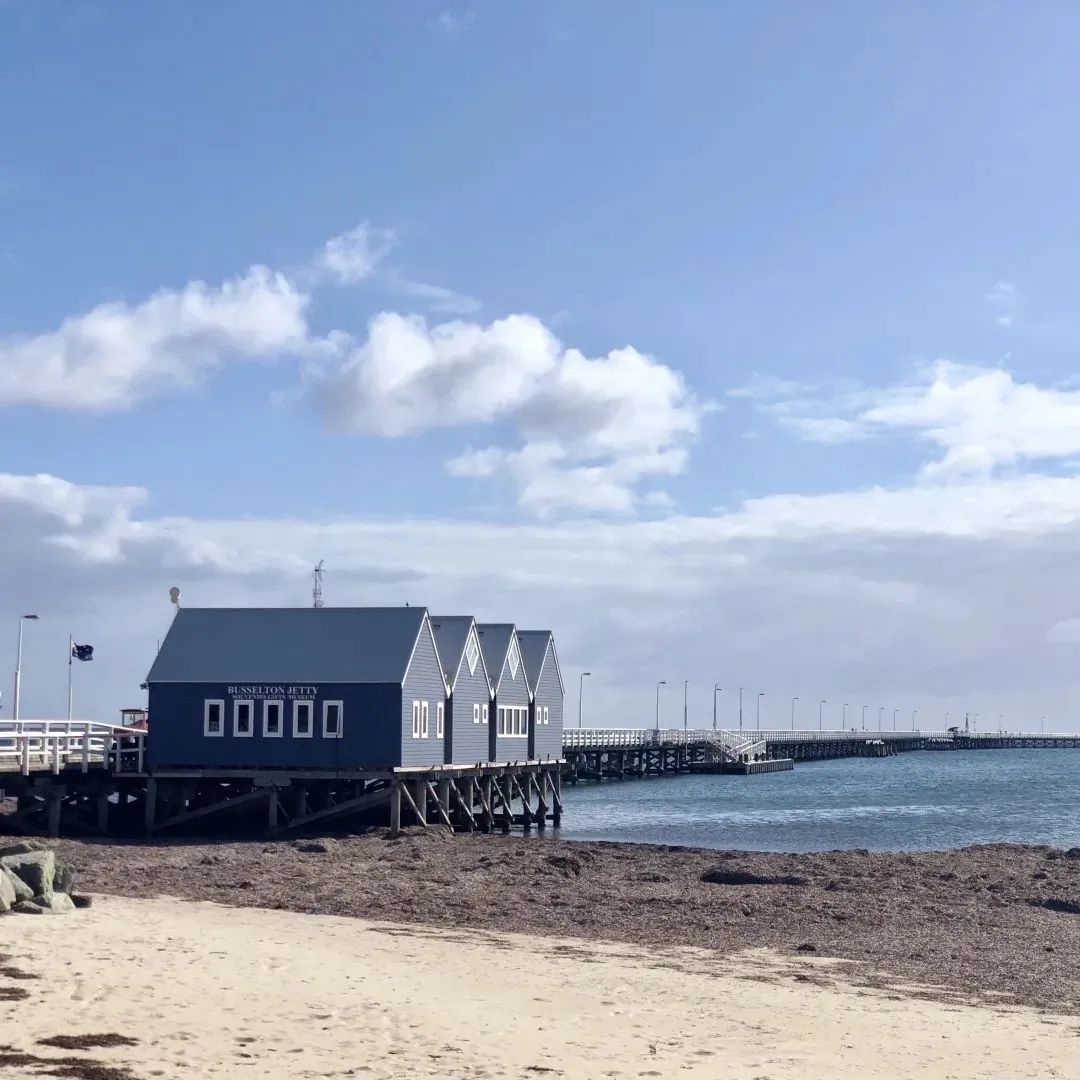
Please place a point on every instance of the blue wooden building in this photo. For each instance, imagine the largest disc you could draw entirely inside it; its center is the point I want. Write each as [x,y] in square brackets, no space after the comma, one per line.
[508,736]
[298,688]
[468,706]
[546,689]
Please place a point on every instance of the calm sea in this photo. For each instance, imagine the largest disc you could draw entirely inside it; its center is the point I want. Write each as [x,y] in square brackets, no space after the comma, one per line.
[927,800]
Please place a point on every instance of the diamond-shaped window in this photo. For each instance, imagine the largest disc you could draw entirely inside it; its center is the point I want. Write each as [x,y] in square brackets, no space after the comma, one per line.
[512,658]
[472,653]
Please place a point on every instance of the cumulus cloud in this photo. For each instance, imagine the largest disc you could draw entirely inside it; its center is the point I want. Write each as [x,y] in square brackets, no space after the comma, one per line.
[588,429]
[353,256]
[118,353]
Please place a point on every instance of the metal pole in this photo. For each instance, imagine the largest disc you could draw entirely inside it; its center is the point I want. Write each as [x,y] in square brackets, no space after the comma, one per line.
[881,709]
[761,694]
[740,708]
[18,665]
[845,716]
[894,712]
[821,705]
[864,708]
[662,682]
[685,684]
[793,700]
[914,713]
[581,680]
[71,646]
[715,690]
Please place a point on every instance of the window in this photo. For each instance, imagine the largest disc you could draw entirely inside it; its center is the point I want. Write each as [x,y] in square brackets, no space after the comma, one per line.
[301,719]
[513,721]
[331,720]
[486,713]
[416,719]
[272,726]
[423,719]
[243,728]
[547,719]
[513,657]
[472,653]
[440,720]
[476,713]
[213,724]
[501,729]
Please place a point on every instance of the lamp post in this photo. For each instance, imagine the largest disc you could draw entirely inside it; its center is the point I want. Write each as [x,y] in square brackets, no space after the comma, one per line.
[793,700]
[864,708]
[715,690]
[580,685]
[18,665]
[662,682]
[761,694]
[1042,726]
[894,712]
[821,705]
[880,713]
[740,708]
[845,716]
[914,713]
[685,684]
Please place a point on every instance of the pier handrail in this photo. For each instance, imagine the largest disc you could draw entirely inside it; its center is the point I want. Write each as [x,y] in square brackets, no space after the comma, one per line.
[39,745]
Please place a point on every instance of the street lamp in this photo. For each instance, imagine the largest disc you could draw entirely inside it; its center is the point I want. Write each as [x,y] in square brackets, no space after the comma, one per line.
[761,694]
[18,665]
[914,713]
[894,712]
[740,708]
[662,682]
[685,684]
[880,713]
[793,700]
[581,682]
[715,690]
[845,716]
[864,708]
[821,705]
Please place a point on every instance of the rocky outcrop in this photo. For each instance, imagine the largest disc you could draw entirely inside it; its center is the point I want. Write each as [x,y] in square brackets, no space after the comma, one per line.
[32,882]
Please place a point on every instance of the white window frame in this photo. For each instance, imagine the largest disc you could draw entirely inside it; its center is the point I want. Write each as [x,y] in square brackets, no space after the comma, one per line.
[486,712]
[513,722]
[476,712]
[340,733]
[237,733]
[424,720]
[304,703]
[547,718]
[220,733]
[440,720]
[416,719]
[267,733]
[500,721]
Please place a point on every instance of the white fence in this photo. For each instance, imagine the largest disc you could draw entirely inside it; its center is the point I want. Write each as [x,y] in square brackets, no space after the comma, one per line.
[732,744]
[52,745]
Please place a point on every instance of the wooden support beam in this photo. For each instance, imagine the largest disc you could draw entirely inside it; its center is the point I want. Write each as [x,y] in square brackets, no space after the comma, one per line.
[437,796]
[272,810]
[103,811]
[507,793]
[486,801]
[556,794]
[421,797]
[395,807]
[403,787]
[150,807]
[221,806]
[367,801]
[443,797]
[523,793]
[55,800]
[466,809]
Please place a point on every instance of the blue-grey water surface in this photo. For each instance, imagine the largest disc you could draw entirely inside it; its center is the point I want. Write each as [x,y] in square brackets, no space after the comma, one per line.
[918,801]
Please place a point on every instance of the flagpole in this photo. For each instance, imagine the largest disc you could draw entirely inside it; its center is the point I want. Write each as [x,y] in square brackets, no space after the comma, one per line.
[71,650]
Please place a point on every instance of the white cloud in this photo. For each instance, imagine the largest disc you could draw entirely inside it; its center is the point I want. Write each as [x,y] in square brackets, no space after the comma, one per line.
[353,256]
[437,297]
[589,429]
[117,354]
[451,24]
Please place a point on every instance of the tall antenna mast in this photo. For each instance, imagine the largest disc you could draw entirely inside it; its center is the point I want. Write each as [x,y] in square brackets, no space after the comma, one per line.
[316,592]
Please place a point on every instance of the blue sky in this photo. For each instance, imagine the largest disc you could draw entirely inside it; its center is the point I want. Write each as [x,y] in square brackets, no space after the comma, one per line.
[819,263]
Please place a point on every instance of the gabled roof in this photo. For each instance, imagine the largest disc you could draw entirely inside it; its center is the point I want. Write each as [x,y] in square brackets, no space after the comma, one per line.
[289,645]
[451,637]
[495,639]
[534,650]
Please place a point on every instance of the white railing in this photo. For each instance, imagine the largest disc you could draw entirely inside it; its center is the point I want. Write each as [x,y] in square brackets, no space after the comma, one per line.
[732,744]
[52,745]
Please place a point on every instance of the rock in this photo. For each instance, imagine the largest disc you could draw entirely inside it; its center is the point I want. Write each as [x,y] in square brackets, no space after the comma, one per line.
[313,847]
[1073,853]
[28,907]
[720,876]
[568,865]
[1056,903]
[60,904]
[22,847]
[22,890]
[806,946]
[7,893]
[64,879]
[81,900]
[36,868]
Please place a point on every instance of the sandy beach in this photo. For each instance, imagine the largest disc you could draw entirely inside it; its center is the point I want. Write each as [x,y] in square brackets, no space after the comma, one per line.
[216,992]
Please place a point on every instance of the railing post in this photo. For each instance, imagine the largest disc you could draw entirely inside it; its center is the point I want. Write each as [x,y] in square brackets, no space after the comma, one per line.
[141,753]
[86,751]
[24,764]
[56,755]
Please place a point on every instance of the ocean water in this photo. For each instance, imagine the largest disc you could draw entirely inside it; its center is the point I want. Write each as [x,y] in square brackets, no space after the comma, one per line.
[919,801]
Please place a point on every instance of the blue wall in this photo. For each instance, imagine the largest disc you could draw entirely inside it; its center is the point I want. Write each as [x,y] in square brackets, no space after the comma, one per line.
[424,682]
[469,741]
[545,740]
[370,728]
[512,691]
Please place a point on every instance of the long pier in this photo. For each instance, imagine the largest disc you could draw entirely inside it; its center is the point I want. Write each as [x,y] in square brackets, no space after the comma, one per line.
[84,777]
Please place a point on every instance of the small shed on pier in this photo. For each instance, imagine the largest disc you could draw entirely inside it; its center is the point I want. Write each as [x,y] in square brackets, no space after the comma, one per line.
[301,688]
[546,690]
[508,731]
[468,705]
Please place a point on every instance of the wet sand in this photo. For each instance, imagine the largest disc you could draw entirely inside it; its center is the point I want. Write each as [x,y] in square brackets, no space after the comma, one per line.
[968,922]
[201,990]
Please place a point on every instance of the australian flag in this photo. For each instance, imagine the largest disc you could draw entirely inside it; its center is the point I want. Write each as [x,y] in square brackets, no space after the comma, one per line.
[82,652]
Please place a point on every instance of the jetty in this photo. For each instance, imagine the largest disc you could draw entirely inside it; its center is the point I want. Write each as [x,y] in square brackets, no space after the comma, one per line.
[84,778]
